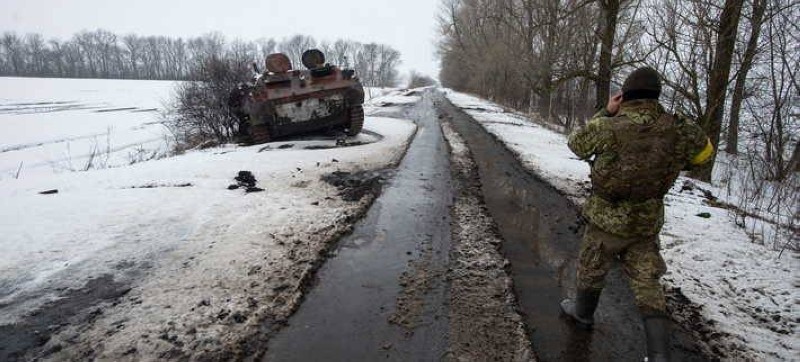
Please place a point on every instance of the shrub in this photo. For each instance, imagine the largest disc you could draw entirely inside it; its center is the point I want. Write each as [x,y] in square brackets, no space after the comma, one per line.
[200,114]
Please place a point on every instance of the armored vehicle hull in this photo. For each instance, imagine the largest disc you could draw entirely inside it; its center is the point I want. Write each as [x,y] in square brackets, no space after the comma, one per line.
[284,102]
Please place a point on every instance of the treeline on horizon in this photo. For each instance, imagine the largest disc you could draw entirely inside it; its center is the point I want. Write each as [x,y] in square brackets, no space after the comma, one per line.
[104,54]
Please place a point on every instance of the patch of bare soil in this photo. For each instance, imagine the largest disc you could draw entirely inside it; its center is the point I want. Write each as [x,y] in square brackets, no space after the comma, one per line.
[690,317]
[35,329]
[416,281]
[245,180]
[353,186]
[485,324]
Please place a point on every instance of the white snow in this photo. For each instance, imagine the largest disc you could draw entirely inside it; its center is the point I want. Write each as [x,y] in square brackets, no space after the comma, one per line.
[168,227]
[749,293]
[53,125]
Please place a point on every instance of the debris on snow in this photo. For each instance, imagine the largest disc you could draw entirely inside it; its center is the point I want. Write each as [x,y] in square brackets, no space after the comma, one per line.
[246,179]
[353,186]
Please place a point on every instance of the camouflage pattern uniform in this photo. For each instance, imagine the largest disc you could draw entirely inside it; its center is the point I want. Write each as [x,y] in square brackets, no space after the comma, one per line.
[626,227]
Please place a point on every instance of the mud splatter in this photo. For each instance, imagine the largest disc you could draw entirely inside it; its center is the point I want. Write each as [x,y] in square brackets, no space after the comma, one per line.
[75,307]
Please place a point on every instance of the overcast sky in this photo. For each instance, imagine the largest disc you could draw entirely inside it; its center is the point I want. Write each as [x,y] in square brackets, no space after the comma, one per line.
[407,25]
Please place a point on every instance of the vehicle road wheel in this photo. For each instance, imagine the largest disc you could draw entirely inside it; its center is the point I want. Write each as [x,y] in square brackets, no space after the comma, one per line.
[260,134]
[356,120]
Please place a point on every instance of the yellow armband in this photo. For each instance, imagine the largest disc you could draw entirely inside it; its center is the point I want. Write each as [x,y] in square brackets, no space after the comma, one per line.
[704,155]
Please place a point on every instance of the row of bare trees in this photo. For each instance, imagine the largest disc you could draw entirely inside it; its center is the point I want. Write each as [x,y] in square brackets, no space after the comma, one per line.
[103,54]
[732,65]
[376,64]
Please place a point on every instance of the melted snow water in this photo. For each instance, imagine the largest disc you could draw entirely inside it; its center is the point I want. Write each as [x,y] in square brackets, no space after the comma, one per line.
[345,316]
[542,233]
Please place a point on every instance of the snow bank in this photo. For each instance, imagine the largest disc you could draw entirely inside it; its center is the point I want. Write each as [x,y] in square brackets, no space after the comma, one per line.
[50,234]
[742,289]
[371,93]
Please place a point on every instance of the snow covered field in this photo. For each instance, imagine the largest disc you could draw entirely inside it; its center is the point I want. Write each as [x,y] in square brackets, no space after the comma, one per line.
[200,268]
[54,125]
[746,293]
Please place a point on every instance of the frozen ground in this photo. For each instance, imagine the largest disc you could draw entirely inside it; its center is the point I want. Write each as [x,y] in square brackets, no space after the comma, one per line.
[159,259]
[746,297]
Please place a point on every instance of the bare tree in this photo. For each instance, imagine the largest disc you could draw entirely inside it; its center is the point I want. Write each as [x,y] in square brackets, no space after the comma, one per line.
[759,7]
[103,54]
[711,121]
[339,52]
[12,46]
[294,47]
[610,10]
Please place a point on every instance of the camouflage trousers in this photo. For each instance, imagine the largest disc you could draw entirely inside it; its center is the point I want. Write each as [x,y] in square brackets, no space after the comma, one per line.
[640,259]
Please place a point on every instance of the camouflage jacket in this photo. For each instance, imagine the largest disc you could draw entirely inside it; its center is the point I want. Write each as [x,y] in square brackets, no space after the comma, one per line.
[597,143]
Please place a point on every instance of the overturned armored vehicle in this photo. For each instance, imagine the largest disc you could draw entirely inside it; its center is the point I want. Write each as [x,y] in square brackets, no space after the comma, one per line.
[283,101]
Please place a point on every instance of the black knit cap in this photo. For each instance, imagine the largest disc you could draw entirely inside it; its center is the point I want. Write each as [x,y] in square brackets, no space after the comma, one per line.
[643,83]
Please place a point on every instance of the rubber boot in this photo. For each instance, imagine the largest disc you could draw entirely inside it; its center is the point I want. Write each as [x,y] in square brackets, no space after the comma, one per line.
[582,308]
[657,331]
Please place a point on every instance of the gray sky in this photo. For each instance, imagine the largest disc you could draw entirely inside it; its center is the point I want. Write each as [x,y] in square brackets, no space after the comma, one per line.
[407,25]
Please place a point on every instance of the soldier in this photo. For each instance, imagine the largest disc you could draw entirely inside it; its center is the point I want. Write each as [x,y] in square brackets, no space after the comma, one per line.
[636,151]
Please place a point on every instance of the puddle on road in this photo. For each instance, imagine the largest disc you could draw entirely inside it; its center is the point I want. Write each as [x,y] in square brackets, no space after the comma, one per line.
[542,232]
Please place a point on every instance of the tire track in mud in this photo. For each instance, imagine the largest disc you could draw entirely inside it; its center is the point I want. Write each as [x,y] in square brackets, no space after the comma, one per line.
[542,230]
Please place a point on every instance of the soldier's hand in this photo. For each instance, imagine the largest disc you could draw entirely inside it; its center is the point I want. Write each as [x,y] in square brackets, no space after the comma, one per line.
[613,103]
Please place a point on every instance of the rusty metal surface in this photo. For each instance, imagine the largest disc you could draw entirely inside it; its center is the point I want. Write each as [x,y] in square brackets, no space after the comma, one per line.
[297,85]
[313,58]
[278,63]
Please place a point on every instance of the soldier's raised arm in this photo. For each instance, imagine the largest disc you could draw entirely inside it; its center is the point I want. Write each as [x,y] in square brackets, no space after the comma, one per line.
[589,140]
[593,139]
